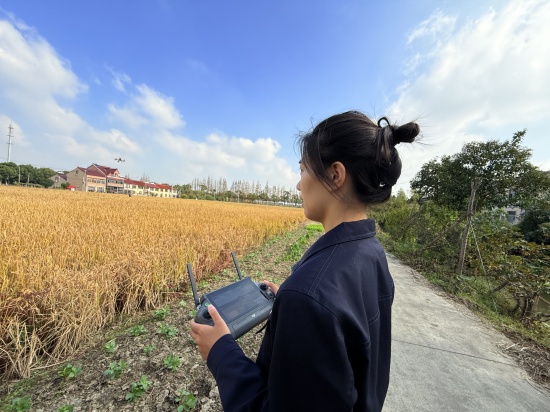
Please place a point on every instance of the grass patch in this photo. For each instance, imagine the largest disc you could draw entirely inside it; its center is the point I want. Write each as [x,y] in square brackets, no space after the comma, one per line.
[296,249]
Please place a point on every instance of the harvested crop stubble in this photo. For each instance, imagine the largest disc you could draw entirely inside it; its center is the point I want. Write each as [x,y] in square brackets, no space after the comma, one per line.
[71,261]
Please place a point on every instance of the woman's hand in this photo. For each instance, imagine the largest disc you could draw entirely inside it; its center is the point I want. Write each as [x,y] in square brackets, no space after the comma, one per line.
[205,335]
[274,288]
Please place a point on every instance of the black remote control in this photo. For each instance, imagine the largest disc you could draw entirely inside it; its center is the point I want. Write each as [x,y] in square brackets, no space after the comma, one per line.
[242,305]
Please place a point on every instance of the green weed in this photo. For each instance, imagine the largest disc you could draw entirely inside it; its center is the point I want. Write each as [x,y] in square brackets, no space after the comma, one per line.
[20,404]
[115,369]
[315,227]
[186,401]
[160,314]
[70,371]
[167,330]
[172,362]
[111,346]
[137,330]
[147,349]
[137,389]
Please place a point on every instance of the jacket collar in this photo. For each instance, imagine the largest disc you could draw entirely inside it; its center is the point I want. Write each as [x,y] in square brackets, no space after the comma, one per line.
[344,232]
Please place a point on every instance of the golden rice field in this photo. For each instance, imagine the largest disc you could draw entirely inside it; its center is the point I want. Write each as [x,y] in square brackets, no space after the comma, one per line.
[70,262]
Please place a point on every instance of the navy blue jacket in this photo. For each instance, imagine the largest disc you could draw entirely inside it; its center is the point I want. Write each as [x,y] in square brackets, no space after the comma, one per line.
[327,343]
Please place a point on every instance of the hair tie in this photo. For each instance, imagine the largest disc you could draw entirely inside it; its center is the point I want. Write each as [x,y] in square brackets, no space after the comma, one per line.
[385,119]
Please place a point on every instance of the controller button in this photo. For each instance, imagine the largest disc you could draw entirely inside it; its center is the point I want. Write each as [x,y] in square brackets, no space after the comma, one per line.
[206,315]
[263,286]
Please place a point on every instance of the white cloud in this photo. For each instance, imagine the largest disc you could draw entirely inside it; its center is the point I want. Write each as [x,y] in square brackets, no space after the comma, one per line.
[487,78]
[119,80]
[159,108]
[37,87]
[543,165]
[150,107]
[30,66]
[19,138]
[116,139]
[127,116]
[438,26]
[231,157]
[151,114]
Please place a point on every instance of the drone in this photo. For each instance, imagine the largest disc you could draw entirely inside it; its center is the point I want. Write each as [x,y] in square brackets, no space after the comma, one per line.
[119,159]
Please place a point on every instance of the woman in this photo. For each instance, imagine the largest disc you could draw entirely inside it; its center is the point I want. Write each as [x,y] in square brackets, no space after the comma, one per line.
[327,343]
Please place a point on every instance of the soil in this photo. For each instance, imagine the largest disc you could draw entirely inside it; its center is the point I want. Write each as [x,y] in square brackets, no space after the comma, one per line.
[93,391]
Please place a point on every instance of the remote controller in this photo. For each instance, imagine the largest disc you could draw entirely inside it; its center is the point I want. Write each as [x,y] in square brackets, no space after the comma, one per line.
[242,305]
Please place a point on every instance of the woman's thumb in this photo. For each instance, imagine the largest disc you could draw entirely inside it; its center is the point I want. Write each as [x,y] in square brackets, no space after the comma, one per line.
[214,313]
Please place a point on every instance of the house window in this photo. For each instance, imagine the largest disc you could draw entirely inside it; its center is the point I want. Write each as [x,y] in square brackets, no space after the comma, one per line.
[511,216]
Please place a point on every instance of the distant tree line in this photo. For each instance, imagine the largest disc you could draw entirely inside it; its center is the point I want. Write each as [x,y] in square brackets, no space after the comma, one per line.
[204,189]
[13,174]
[239,191]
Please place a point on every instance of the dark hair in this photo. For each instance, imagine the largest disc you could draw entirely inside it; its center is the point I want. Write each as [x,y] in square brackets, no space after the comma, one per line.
[366,149]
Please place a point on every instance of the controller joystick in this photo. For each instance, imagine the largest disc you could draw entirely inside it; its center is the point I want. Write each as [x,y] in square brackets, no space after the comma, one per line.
[266,291]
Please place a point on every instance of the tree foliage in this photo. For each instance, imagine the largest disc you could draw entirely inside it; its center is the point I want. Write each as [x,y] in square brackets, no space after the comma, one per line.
[499,251]
[535,225]
[499,260]
[11,173]
[505,176]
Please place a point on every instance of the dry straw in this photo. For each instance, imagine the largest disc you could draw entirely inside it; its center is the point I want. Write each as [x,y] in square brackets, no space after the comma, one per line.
[70,262]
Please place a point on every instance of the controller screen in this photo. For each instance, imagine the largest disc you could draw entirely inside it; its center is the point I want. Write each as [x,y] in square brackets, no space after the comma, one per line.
[237,299]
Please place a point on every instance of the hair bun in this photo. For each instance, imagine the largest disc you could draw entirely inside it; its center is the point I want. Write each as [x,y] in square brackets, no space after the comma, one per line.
[406,133]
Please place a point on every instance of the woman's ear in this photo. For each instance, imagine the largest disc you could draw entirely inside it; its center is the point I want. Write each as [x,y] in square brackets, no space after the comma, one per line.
[337,172]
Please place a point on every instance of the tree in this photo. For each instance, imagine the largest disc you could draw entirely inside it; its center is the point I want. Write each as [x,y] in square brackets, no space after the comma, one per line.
[43,176]
[535,226]
[483,176]
[8,172]
[502,169]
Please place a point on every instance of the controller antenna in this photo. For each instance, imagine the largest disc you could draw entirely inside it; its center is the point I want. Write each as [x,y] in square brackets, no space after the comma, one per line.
[237,265]
[193,285]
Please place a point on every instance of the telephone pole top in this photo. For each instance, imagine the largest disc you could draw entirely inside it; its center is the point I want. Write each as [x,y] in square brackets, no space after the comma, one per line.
[10,130]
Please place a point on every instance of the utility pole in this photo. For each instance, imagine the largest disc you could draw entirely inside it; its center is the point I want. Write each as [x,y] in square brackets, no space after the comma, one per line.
[10,129]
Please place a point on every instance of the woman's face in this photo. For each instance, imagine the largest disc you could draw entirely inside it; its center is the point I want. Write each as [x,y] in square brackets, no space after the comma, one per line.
[313,194]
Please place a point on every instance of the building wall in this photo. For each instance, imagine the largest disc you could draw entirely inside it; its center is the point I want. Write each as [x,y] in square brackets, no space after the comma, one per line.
[77,178]
[113,183]
[134,190]
[57,180]
[95,184]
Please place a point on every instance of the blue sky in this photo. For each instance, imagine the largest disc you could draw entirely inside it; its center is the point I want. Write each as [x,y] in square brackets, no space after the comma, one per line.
[188,89]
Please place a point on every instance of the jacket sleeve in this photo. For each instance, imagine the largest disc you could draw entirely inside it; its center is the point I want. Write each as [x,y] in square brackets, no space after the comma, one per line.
[310,369]
[240,382]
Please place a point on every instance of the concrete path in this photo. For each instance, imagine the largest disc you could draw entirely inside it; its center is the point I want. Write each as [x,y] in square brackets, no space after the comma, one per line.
[445,359]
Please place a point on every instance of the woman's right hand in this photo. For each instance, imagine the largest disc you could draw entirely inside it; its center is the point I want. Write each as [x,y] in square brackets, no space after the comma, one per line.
[274,288]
